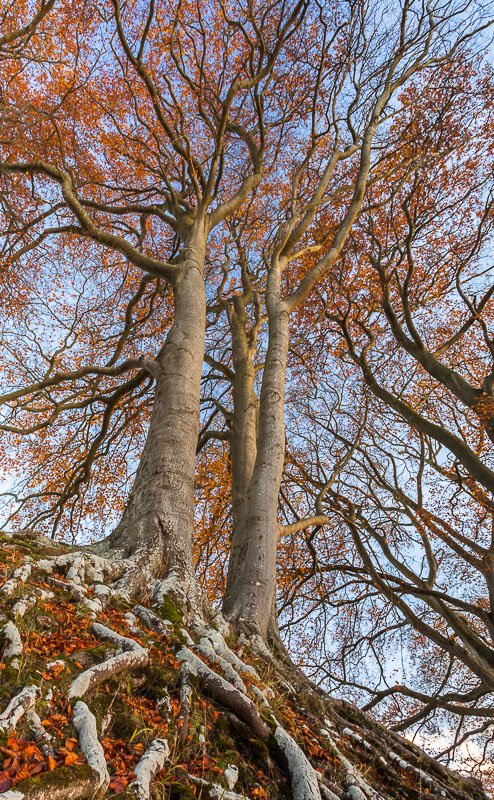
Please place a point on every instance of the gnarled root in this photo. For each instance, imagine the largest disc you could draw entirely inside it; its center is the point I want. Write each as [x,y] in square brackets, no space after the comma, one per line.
[18,706]
[213,791]
[219,689]
[20,575]
[85,724]
[152,621]
[226,678]
[41,736]
[12,641]
[185,701]
[133,656]
[148,767]
[79,788]
[305,785]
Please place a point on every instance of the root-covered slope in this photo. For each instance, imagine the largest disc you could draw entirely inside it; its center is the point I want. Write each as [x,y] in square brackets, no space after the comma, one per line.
[101,696]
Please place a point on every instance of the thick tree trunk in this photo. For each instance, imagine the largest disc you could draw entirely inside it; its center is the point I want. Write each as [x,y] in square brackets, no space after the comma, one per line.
[252,582]
[243,445]
[156,529]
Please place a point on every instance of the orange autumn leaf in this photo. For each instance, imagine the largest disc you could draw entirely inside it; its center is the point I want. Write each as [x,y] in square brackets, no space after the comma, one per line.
[71,759]
[71,744]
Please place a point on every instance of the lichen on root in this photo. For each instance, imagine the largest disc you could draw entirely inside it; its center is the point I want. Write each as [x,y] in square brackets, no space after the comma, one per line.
[151,763]
[85,724]
[17,707]
[111,671]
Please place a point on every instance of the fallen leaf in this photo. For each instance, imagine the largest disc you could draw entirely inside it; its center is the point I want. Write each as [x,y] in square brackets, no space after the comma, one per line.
[71,744]
[36,769]
[71,759]
[118,785]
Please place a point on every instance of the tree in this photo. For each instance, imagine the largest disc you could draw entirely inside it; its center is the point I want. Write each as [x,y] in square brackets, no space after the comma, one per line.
[413,559]
[235,110]
[334,171]
[179,133]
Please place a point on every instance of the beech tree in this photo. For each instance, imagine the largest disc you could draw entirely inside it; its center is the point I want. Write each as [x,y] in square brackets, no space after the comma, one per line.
[293,267]
[188,168]
[157,525]
[412,560]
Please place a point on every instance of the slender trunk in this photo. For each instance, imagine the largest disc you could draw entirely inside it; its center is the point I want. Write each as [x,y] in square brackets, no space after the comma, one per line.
[253,581]
[243,445]
[156,529]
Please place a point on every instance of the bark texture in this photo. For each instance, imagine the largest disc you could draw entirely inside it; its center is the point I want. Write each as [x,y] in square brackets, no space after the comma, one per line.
[157,525]
[252,575]
[243,447]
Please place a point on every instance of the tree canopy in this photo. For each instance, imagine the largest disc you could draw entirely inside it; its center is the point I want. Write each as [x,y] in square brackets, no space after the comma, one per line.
[246,326]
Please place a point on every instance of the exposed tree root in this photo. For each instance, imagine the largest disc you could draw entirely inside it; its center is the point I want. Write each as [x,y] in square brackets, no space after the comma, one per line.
[133,656]
[206,650]
[327,794]
[84,567]
[24,605]
[20,575]
[85,724]
[148,767]
[231,681]
[40,735]
[185,701]
[219,689]
[18,706]
[221,649]
[305,785]
[152,621]
[12,641]
[213,791]
[79,787]
[172,585]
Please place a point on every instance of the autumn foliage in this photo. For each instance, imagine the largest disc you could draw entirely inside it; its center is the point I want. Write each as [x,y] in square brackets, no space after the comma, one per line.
[246,331]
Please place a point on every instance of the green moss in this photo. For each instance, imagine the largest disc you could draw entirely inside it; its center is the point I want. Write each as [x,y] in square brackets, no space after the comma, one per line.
[10,676]
[221,727]
[3,738]
[223,743]
[276,751]
[23,545]
[171,611]
[99,706]
[259,749]
[160,681]
[125,723]
[34,678]
[61,776]
[178,791]
[99,652]
[177,638]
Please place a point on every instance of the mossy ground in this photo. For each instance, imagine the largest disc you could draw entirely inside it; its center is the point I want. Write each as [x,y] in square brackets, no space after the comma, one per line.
[133,709]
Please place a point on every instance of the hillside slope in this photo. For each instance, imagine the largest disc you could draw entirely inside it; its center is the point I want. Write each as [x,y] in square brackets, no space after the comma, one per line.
[104,696]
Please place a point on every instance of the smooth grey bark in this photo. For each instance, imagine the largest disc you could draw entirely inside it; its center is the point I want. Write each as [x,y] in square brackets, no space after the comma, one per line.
[249,600]
[243,442]
[252,586]
[157,527]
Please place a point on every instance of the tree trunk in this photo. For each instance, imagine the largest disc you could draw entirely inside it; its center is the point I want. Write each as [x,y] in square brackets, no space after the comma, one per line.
[157,526]
[252,582]
[243,444]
